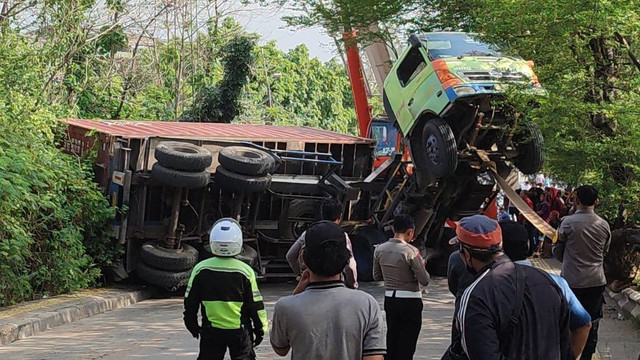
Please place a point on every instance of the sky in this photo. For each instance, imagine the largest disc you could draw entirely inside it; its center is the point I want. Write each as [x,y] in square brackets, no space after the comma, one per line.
[268,23]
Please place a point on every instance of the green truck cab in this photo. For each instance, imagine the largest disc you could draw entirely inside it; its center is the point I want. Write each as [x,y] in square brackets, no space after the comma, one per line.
[445,94]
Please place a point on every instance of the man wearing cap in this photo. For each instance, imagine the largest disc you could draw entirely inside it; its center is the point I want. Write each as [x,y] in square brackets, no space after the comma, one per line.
[400,265]
[327,320]
[500,312]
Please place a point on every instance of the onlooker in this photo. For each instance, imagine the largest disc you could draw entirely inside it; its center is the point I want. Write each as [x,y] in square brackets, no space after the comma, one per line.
[226,292]
[400,265]
[499,314]
[554,221]
[556,202]
[458,278]
[330,209]
[511,207]
[516,247]
[543,207]
[531,230]
[327,320]
[583,241]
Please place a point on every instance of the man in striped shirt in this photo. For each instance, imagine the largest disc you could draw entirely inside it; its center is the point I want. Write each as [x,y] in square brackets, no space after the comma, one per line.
[510,312]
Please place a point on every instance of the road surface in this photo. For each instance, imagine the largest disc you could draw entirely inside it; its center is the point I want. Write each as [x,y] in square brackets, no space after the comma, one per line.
[153,329]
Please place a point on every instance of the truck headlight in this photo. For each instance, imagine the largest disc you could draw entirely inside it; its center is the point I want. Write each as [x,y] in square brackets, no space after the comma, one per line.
[464,90]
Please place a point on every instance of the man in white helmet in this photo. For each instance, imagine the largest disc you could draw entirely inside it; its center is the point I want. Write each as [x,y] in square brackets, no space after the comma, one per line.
[225,290]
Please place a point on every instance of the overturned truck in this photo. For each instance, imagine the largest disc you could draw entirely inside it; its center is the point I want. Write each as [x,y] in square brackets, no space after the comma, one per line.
[172,181]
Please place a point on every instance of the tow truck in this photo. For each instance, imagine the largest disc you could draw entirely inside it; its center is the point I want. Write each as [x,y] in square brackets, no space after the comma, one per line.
[171,181]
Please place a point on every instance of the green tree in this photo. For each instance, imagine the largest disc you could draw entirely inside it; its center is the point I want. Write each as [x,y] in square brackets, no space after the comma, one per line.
[586,56]
[220,103]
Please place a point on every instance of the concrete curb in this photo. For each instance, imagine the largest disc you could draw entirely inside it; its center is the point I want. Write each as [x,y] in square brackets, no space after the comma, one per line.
[628,300]
[31,323]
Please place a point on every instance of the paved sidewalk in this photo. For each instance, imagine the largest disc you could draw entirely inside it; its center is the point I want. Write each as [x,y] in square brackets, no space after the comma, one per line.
[32,317]
[153,329]
[618,338]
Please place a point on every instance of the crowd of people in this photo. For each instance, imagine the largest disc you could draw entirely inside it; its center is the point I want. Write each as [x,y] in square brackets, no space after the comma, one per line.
[504,307]
[549,203]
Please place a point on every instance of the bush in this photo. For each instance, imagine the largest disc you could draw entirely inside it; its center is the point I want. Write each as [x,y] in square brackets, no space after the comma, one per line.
[52,217]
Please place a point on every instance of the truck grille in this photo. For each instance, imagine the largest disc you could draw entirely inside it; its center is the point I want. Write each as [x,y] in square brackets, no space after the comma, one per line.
[492,76]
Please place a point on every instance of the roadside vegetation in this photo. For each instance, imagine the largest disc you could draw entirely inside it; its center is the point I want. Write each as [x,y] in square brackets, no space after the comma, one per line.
[146,60]
[123,60]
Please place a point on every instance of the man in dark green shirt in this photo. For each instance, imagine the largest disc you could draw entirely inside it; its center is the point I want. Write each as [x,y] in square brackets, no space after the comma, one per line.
[226,292]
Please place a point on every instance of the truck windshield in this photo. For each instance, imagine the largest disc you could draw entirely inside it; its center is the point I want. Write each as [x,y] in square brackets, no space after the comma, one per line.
[442,45]
[386,136]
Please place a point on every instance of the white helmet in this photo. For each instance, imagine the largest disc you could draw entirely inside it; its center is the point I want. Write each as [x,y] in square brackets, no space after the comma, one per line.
[225,238]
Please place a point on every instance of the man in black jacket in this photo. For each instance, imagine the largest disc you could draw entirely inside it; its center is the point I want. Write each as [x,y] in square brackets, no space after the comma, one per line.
[510,312]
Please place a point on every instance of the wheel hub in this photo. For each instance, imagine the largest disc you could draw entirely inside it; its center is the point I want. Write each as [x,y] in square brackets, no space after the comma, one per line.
[432,149]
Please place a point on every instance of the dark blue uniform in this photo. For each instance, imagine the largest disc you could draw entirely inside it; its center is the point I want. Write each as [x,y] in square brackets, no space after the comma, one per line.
[486,308]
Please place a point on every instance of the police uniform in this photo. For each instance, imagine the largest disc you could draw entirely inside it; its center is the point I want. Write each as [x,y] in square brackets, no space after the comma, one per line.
[401,267]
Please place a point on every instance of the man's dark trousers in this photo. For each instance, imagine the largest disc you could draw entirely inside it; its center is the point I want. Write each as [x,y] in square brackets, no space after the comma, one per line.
[214,344]
[404,321]
[592,299]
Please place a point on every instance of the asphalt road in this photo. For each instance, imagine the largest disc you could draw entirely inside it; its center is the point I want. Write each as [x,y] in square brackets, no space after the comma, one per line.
[153,329]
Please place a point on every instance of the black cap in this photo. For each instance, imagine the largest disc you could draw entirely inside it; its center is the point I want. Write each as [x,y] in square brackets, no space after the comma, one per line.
[322,234]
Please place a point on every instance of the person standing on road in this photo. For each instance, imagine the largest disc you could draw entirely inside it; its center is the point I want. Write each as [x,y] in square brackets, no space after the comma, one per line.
[225,290]
[400,265]
[458,278]
[327,320]
[583,241]
[500,312]
[330,209]
[516,247]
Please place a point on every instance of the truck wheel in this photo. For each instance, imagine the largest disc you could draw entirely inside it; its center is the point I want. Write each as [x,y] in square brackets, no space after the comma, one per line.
[245,160]
[363,243]
[248,255]
[530,146]
[299,209]
[171,281]
[248,184]
[180,179]
[182,156]
[434,149]
[168,259]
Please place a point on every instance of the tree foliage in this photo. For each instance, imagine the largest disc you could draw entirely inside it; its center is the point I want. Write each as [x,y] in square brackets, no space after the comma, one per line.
[123,59]
[586,56]
[220,103]
[52,217]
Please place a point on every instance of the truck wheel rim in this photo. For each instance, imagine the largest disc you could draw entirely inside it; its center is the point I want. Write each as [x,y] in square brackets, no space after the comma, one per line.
[432,150]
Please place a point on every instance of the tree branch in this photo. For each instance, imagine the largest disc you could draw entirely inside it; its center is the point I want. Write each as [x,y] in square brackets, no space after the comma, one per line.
[622,40]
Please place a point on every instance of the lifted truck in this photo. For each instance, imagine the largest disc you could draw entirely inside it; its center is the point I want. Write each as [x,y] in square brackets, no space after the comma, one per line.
[171,181]
[446,96]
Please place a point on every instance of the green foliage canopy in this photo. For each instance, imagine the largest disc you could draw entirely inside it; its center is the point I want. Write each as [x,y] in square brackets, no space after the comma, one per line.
[586,56]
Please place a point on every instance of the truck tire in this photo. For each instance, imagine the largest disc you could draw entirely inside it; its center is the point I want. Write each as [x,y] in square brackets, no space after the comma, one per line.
[248,255]
[169,260]
[437,152]
[363,243]
[171,281]
[246,161]
[179,179]
[299,209]
[244,183]
[182,156]
[530,145]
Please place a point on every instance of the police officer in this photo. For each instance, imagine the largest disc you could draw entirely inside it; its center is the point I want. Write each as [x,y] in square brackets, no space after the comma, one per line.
[400,265]
[225,290]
